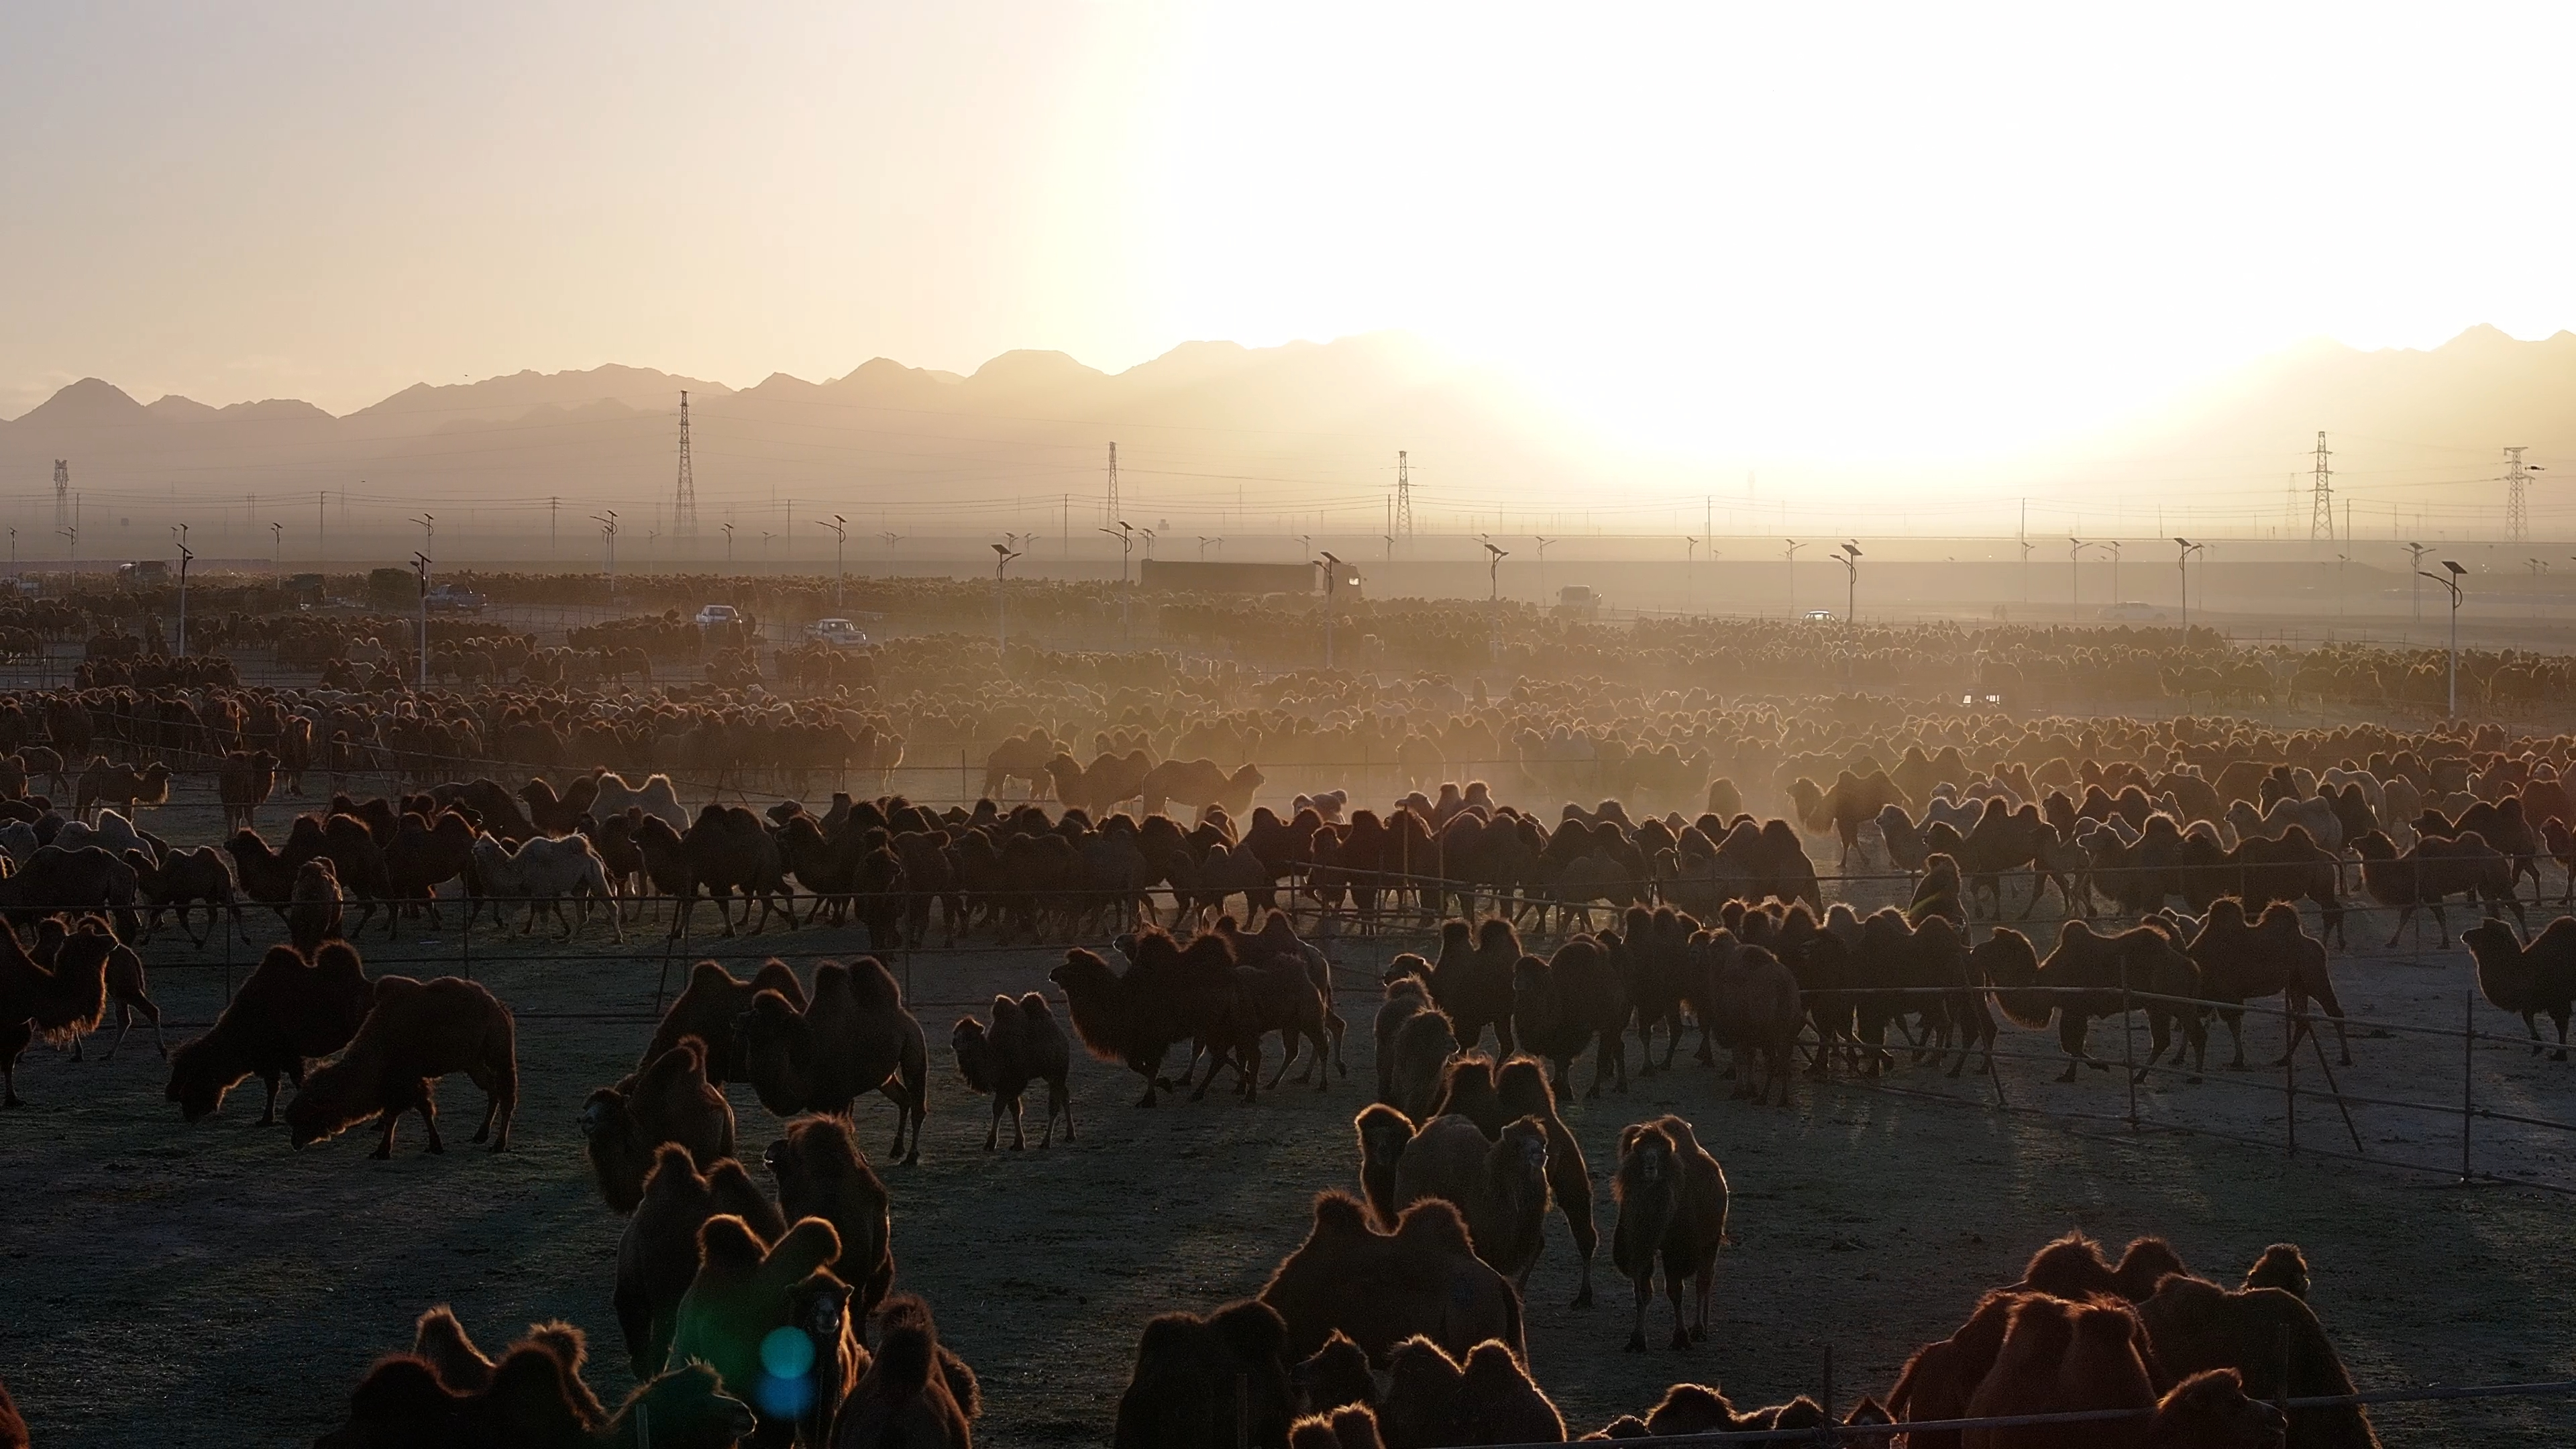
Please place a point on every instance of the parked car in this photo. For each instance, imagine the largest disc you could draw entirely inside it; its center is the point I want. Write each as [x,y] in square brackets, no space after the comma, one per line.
[445,600]
[2134,612]
[839,633]
[714,614]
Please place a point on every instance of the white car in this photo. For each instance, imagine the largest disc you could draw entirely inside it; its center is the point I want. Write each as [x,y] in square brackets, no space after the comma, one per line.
[2134,611]
[839,633]
[718,614]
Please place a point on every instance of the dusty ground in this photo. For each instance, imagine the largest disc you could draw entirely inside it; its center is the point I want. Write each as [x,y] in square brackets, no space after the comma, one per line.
[206,1286]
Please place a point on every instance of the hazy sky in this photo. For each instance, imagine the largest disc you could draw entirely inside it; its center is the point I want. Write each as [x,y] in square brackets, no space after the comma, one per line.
[1833,230]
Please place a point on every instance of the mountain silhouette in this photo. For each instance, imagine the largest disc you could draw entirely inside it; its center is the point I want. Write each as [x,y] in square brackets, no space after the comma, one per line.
[1273,433]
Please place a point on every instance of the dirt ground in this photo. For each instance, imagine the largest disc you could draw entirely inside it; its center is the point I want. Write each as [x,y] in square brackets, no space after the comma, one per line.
[207,1286]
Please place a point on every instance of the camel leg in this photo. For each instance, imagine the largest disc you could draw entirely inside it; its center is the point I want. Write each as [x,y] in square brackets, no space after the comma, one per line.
[1644,1283]
[385,1134]
[428,1107]
[1019,1127]
[268,1111]
[2071,1031]
[993,1132]
[2236,1030]
[2404,914]
[1673,1291]
[1289,1042]
[1705,1280]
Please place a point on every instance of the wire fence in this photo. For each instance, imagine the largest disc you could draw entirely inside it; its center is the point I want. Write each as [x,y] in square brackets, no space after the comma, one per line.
[1882,1434]
[2497,1118]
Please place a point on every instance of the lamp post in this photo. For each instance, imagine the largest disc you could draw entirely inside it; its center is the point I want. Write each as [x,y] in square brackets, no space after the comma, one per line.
[72,588]
[276,547]
[1791,554]
[2452,582]
[185,556]
[2075,576]
[2415,592]
[1332,579]
[1125,533]
[891,539]
[728,533]
[2182,566]
[840,542]
[1204,541]
[608,531]
[2538,568]
[2341,561]
[420,571]
[1849,558]
[1003,553]
[2114,546]
[1542,571]
[1494,557]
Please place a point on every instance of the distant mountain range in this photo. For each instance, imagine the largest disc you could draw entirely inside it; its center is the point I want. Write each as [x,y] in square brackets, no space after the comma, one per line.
[1274,434]
[1271,430]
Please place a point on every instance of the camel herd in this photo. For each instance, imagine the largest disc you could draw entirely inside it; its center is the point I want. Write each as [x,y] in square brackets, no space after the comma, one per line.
[2186,855]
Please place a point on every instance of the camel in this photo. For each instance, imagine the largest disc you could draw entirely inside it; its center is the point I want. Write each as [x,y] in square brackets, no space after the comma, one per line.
[1672,1205]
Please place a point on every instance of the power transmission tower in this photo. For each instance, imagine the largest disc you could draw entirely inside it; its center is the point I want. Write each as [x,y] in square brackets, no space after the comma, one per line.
[684,505]
[1403,494]
[2321,517]
[62,494]
[2517,506]
[1109,508]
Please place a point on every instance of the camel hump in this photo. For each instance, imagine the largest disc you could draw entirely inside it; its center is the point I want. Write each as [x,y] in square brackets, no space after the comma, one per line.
[1433,1222]
[1338,1214]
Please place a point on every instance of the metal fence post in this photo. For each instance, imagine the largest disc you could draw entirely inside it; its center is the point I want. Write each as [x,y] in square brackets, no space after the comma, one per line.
[2468,1075]
[2128,1044]
[2290,1099]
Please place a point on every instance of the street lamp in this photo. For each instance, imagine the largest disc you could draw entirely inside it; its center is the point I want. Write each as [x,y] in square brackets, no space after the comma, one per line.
[2341,560]
[1332,579]
[1792,555]
[185,555]
[1493,572]
[1849,558]
[1125,533]
[73,533]
[1204,541]
[2075,576]
[2415,592]
[2182,565]
[840,541]
[728,533]
[276,546]
[2114,547]
[608,531]
[420,571]
[891,539]
[1003,553]
[2453,584]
